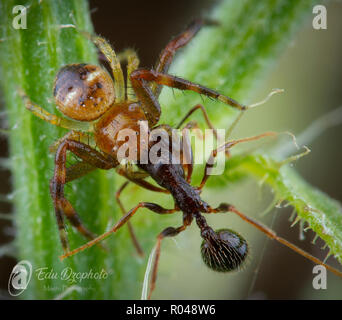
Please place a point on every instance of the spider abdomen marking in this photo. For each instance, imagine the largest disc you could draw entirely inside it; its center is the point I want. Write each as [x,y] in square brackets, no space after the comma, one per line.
[83,92]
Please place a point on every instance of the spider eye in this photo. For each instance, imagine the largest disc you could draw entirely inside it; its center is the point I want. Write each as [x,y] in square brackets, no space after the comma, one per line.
[224,252]
[83,92]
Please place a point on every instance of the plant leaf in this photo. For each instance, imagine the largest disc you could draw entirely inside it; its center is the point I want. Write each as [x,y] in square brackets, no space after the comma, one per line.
[322,213]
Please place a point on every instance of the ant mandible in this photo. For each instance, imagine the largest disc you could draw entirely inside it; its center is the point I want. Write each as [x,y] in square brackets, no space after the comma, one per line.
[96,104]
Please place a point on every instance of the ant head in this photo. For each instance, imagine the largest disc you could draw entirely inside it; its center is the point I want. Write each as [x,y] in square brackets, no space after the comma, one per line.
[223,250]
[83,92]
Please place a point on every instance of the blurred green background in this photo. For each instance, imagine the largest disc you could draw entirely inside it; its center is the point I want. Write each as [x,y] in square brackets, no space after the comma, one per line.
[310,71]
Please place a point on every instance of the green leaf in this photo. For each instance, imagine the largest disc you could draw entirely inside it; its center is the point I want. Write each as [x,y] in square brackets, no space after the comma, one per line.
[321,213]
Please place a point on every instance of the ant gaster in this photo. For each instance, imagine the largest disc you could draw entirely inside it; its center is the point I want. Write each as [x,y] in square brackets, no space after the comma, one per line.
[96,104]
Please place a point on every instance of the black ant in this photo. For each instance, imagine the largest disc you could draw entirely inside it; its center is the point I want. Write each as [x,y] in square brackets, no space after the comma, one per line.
[96,104]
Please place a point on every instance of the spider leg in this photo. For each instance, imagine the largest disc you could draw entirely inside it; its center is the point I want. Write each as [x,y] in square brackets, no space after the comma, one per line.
[210,162]
[138,177]
[151,206]
[141,77]
[78,170]
[168,53]
[107,50]
[53,119]
[132,64]
[61,204]
[73,135]
[224,207]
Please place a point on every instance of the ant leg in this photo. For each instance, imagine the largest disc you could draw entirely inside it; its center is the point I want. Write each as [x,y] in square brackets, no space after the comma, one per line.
[226,147]
[107,50]
[132,64]
[129,225]
[53,119]
[135,177]
[205,116]
[186,153]
[82,168]
[168,232]
[151,206]
[224,207]
[167,55]
[61,204]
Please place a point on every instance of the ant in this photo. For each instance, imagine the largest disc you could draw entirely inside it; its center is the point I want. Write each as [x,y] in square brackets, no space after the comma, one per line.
[100,105]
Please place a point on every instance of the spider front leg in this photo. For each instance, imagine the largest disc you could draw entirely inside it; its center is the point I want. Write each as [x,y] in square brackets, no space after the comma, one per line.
[61,204]
[140,79]
[167,55]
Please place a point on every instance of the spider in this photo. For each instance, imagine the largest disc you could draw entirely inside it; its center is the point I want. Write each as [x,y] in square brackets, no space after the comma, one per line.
[100,105]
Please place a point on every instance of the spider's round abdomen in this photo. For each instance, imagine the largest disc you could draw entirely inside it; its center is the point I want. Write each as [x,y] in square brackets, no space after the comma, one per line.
[117,126]
[83,92]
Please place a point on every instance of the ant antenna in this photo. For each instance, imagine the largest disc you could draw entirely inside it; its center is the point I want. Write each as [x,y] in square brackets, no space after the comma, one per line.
[253,105]
[273,92]
[293,137]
